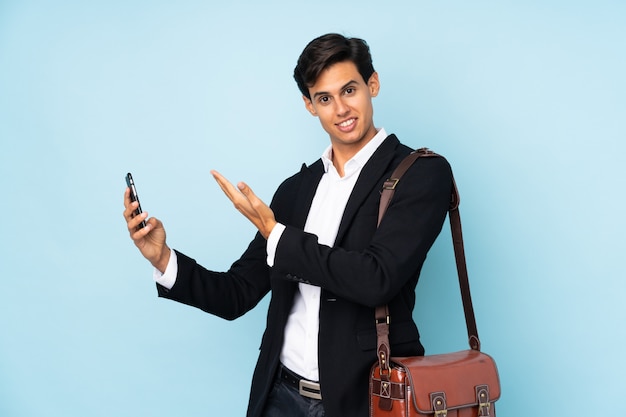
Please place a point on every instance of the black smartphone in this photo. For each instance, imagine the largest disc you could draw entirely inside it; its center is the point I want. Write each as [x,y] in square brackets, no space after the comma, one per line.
[134,197]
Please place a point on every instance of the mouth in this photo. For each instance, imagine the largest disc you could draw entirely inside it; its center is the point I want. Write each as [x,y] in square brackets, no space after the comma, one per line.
[346,125]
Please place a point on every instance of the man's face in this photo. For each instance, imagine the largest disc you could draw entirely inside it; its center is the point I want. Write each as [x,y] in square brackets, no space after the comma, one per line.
[343,102]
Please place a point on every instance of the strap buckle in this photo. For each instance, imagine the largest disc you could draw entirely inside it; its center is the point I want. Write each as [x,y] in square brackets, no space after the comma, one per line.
[482,396]
[391,183]
[438,402]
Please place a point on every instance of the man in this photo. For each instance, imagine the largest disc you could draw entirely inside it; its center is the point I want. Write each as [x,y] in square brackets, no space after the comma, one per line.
[319,250]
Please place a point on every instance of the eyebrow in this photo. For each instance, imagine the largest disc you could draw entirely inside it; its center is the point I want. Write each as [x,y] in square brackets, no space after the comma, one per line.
[325,93]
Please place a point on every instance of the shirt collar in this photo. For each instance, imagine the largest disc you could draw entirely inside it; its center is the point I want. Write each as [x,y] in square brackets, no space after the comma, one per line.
[360,159]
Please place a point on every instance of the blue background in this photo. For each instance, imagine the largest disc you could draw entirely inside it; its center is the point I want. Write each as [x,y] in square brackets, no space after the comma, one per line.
[525,99]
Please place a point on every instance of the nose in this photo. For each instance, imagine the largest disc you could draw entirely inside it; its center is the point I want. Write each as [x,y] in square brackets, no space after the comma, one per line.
[342,107]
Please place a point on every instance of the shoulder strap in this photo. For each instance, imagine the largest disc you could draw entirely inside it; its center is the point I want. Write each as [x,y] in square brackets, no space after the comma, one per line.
[382,312]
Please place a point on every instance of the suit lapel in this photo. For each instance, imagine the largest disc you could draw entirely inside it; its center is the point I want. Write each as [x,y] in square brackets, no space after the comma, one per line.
[369,179]
[310,177]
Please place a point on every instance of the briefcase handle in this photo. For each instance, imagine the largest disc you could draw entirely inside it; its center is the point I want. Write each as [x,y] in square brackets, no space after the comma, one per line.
[382,312]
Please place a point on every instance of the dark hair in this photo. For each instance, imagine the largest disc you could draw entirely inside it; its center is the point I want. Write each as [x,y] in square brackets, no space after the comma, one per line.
[327,50]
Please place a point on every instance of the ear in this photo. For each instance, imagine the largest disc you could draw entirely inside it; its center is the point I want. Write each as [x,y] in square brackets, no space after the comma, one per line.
[374,84]
[309,105]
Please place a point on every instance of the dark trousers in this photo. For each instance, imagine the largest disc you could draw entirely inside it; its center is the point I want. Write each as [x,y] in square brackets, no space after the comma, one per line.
[285,401]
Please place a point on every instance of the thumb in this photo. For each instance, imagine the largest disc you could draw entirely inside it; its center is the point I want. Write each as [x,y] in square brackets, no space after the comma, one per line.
[249,194]
[245,189]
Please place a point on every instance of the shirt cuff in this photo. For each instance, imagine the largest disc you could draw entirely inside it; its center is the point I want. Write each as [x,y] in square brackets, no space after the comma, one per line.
[167,278]
[272,242]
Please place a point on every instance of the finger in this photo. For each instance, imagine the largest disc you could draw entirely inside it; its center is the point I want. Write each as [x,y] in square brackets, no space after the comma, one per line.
[231,192]
[221,181]
[126,196]
[151,224]
[130,210]
[133,222]
[257,204]
[249,194]
[141,236]
[244,188]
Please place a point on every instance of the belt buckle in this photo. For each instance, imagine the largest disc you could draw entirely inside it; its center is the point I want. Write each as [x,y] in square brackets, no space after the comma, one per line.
[310,389]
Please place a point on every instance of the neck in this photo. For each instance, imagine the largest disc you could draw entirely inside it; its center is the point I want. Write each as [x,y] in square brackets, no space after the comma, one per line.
[343,152]
[339,163]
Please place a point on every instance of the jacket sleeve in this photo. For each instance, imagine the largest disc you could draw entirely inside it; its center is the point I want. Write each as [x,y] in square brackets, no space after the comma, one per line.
[232,293]
[225,294]
[396,252]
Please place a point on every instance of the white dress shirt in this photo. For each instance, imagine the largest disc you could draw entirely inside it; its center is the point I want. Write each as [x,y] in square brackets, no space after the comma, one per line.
[300,347]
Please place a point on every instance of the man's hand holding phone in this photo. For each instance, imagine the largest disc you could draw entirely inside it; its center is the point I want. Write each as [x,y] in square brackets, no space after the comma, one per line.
[147,234]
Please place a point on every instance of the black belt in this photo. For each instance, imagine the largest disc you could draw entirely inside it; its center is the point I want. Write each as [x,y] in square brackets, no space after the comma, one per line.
[305,387]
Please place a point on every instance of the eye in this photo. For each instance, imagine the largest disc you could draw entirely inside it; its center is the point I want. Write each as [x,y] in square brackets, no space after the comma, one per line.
[349,91]
[324,100]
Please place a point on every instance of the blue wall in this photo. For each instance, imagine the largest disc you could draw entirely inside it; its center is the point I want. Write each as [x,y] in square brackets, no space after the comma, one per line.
[526,100]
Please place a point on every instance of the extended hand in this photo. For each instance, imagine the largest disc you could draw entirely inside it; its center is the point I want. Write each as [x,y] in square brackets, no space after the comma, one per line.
[248,204]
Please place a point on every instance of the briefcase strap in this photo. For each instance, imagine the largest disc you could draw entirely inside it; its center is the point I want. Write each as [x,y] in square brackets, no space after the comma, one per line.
[382,312]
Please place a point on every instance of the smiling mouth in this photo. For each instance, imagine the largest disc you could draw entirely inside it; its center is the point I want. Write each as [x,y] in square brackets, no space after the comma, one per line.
[346,123]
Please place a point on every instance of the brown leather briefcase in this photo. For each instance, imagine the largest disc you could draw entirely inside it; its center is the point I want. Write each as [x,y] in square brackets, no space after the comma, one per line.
[459,384]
